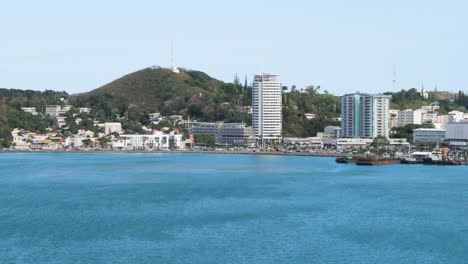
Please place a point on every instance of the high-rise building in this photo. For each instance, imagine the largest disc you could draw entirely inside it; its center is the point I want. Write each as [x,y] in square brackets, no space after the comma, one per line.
[365,115]
[267,108]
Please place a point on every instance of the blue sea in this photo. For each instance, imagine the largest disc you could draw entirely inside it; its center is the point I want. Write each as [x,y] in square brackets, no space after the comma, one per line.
[207,208]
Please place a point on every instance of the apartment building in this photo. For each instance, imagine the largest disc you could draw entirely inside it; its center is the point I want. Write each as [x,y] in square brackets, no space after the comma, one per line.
[365,115]
[267,108]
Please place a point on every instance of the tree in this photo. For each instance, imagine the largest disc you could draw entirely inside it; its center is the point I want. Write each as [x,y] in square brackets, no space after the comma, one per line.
[380,143]
[87,142]
[207,140]
[104,141]
[406,131]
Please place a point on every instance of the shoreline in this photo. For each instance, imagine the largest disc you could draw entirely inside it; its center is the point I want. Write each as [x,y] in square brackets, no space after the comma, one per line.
[224,152]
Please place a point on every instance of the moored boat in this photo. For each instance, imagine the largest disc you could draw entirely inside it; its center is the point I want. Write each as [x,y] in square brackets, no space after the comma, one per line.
[410,160]
[440,157]
[370,161]
[442,161]
[346,159]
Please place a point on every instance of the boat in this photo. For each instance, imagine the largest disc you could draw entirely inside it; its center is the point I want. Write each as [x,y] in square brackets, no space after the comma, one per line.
[346,159]
[439,157]
[370,161]
[442,161]
[410,160]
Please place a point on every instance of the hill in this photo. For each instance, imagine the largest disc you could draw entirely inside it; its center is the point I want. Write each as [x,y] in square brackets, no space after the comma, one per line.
[11,115]
[189,93]
[199,96]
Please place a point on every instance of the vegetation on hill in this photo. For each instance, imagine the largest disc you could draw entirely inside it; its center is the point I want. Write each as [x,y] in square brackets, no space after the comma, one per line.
[297,103]
[461,99]
[11,115]
[408,99]
[412,99]
[188,93]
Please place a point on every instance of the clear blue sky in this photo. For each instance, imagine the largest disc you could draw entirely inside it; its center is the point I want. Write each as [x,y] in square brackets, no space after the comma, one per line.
[344,46]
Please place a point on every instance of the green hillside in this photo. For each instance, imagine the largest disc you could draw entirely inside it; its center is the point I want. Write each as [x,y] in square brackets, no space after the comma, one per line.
[189,93]
[11,115]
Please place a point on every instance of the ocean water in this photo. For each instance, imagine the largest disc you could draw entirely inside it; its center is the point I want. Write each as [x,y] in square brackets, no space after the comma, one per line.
[205,208]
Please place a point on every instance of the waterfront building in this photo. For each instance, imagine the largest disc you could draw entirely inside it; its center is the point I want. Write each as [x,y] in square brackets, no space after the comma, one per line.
[53,110]
[224,133]
[31,110]
[267,108]
[314,142]
[456,133]
[112,127]
[428,135]
[365,115]
[151,142]
[345,143]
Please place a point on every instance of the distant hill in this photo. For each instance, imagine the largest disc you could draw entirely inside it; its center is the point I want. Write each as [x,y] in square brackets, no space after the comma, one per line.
[190,93]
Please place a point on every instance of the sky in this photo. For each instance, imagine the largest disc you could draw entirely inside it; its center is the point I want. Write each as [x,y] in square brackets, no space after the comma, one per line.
[343,46]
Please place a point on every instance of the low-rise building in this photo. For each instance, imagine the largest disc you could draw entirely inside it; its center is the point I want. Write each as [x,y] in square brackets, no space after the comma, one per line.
[31,110]
[457,116]
[224,133]
[428,118]
[112,127]
[332,131]
[428,135]
[456,133]
[345,143]
[60,121]
[310,116]
[156,141]
[84,110]
[409,116]
[64,110]
[430,108]
[441,121]
[53,110]
[393,118]
[315,142]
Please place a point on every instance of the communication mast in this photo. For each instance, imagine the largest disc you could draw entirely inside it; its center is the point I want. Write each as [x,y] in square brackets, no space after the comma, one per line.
[173,68]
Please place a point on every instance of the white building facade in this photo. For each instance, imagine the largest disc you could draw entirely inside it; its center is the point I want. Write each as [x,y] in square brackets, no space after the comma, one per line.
[112,127]
[409,116]
[31,110]
[53,110]
[151,142]
[267,108]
